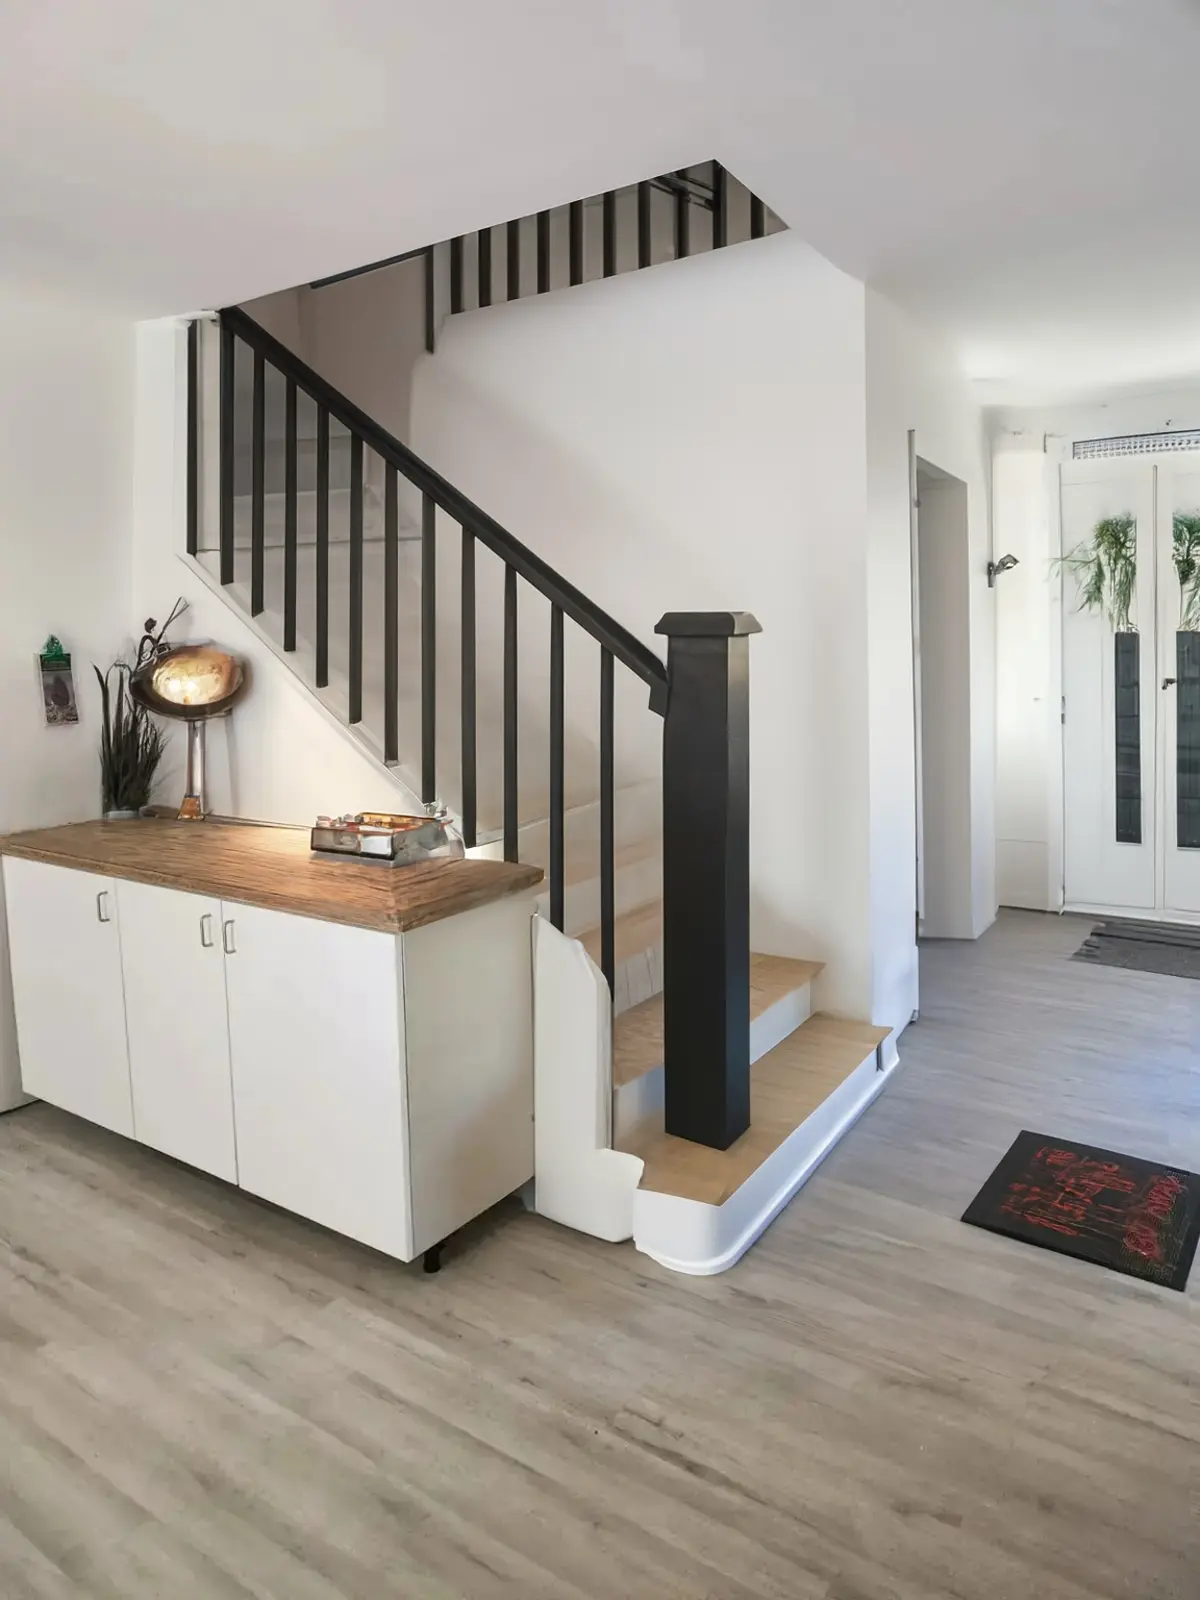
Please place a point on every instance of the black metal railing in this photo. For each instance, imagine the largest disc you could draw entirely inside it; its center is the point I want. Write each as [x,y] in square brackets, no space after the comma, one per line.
[705,189]
[521,565]
[470,277]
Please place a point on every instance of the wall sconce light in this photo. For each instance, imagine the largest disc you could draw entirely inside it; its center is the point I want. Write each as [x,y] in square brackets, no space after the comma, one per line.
[1005,564]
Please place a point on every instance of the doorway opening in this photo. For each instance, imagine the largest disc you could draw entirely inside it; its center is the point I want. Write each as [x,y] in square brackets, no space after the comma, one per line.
[942,701]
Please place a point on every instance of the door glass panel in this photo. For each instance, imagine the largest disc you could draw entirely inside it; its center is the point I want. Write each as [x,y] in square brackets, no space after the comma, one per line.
[1127,703]
[1187,740]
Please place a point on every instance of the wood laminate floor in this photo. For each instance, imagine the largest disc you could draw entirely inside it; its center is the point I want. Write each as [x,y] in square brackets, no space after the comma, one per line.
[204,1399]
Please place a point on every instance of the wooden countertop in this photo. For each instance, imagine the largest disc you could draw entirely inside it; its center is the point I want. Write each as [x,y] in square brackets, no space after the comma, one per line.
[274,868]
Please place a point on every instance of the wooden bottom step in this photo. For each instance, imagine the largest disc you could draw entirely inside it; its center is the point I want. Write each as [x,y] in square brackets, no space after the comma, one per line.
[787,1086]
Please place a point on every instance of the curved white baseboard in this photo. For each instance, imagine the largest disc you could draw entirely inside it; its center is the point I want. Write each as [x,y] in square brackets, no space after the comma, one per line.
[690,1236]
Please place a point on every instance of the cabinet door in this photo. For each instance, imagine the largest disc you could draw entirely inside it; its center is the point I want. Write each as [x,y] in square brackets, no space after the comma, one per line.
[178,1027]
[65,951]
[318,1072]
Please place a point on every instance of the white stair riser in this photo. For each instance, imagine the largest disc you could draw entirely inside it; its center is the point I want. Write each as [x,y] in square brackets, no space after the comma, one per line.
[633,885]
[638,1106]
[637,815]
[638,978]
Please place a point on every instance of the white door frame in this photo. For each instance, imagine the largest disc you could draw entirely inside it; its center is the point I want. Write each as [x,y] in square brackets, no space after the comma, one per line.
[915,570]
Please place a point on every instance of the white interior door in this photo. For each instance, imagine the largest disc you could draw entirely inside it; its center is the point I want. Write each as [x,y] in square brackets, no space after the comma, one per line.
[1110,701]
[178,1028]
[1179,682]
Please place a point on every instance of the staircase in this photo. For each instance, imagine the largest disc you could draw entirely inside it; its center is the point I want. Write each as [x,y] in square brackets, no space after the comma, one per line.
[443,644]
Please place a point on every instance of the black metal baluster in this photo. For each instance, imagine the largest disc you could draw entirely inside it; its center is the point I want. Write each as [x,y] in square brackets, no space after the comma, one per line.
[289,516]
[720,225]
[430,300]
[391,628]
[608,960]
[575,240]
[456,275]
[470,804]
[193,437]
[228,390]
[356,579]
[557,783]
[683,219]
[758,217]
[511,820]
[428,649]
[485,266]
[258,449]
[610,233]
[514,261]
[322,552]
[645,241]
[543,251]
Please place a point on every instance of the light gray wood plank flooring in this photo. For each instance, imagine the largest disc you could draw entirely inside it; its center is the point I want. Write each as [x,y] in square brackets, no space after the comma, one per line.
[202,1398]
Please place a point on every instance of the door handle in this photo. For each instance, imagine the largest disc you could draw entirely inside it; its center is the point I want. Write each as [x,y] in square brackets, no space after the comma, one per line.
[102,907]
[227,938]
[1168,683]
[206,930]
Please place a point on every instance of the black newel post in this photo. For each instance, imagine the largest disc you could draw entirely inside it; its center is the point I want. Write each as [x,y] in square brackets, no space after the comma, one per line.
[706,875]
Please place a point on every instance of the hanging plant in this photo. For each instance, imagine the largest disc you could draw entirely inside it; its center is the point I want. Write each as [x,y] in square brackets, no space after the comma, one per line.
[1105,567]
[1185,553]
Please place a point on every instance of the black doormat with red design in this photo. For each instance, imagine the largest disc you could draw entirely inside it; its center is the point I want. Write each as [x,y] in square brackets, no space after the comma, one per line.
[1121,1212]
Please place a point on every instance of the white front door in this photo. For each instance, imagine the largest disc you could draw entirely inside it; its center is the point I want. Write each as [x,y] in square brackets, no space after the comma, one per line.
[1109,692]
[1131,686]
[1179,681]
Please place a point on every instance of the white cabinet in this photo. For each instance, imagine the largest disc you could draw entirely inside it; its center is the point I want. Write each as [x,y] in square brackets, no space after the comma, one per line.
[315,1028]
[65,951]
[380,1084]
[177,1025]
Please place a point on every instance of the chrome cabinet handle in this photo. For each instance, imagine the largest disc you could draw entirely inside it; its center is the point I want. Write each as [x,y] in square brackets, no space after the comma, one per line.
[206,930]
[227,938]
[102,907]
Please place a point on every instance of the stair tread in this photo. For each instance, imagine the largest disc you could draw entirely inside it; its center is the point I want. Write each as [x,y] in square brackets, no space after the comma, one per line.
[787,1085]
[637,1045]
[634,931]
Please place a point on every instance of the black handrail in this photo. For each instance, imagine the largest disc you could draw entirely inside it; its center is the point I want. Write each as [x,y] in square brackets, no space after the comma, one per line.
[607,632]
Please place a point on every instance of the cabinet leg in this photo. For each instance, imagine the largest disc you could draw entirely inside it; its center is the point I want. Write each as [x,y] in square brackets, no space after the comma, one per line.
[432,1259]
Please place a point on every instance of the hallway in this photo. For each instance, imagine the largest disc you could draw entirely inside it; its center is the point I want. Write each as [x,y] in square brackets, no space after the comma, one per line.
[203,1398]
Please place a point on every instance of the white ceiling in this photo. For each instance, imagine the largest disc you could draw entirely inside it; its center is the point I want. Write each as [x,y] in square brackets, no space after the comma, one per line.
[1021,173]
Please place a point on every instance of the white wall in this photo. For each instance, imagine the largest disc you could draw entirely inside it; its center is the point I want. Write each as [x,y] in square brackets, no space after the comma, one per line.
[912,383]
[364,336]
[692,437]
[66,400]
[1027,444]
[279,757]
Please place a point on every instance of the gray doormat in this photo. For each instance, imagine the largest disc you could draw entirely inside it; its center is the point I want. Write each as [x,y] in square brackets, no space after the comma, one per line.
[1168,947]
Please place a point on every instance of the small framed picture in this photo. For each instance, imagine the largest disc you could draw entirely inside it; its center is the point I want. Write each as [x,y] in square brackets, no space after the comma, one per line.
[58,685]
